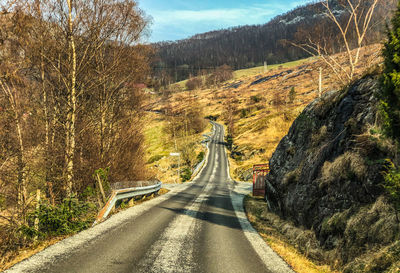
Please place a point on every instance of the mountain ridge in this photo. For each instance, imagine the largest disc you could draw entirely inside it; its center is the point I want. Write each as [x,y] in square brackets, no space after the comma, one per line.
[251,45]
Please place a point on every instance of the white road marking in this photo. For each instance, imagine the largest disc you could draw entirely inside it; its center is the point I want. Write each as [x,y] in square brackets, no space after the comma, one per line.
[164,256]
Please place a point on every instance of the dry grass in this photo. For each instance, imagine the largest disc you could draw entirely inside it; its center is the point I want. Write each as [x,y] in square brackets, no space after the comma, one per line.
[256,212]
[346,166]
[263,123]
[159,145]
[30,251]
[239,74]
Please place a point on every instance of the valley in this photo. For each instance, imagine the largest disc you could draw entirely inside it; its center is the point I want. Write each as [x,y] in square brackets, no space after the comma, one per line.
[120,152]
[263,109]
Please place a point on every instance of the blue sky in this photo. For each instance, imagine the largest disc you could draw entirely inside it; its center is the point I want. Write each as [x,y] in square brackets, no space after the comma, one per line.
[178,19]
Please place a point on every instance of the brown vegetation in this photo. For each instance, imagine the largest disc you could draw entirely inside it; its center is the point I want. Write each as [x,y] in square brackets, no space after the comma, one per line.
[260,114]
[70,103]
[298,247]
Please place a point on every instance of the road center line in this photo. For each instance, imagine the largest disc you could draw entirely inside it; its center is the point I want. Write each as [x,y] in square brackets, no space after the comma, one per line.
[178,236]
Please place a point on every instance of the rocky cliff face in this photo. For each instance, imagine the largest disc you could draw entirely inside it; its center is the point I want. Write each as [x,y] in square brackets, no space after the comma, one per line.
[326,174]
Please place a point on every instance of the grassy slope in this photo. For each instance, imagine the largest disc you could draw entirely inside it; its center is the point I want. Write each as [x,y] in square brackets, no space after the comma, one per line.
[260,125]
[159,145]
[239,74]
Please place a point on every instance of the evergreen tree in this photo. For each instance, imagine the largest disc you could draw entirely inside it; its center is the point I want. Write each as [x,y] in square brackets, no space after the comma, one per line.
[390,97]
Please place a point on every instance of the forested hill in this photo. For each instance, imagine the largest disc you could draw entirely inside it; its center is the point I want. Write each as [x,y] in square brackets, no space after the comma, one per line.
[251,45]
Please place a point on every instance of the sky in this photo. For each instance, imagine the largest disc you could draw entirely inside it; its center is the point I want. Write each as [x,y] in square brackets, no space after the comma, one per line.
[179,19]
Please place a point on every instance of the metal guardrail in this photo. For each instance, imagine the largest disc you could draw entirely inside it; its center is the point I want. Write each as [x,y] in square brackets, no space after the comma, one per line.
[199,166]
[124,190]
[132,184]
[121,194]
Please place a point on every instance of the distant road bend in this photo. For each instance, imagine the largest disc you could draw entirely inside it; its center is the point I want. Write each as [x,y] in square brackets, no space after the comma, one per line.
[197,227]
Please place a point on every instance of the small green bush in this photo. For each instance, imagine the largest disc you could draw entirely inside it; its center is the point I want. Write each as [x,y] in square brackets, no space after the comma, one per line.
[200,156]
[244,113]
[392,184]
[67,218]
[103,174]
[229,141]
[255,99]
[88,192]
[186,174]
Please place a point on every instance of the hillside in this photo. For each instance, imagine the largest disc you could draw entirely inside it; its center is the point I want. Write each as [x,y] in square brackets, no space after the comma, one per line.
[263,110]
[249,46]
[326,177]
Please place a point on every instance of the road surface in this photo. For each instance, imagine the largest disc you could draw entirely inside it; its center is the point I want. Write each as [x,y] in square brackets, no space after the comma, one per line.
[199,228]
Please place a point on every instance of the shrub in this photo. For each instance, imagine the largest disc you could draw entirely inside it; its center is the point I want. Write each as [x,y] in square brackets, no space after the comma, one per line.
[392,184]
[229,141]
[292,177]
[319,136]
[212,117]
[194,83]
[221,74]
[243,113]
[2,201]
[255,99]
[186,174]
[200,156]
[103,175]
[88,192]
[67,218]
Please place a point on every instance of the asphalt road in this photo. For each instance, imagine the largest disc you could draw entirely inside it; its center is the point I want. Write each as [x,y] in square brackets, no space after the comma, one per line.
[199,229]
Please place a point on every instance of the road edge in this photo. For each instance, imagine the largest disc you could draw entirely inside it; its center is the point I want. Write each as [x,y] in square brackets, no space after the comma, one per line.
[238,191]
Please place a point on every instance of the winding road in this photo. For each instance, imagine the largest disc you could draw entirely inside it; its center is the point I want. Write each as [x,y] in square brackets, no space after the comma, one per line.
[196,227]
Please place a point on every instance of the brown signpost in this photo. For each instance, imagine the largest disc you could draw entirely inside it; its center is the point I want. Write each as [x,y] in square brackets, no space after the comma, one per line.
[260,171]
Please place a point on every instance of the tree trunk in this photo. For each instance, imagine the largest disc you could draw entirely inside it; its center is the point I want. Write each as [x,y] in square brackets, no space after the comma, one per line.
[22,193]
[47,134]
[71,117]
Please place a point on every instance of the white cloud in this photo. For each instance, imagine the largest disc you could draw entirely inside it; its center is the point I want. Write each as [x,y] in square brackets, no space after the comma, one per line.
[219,16]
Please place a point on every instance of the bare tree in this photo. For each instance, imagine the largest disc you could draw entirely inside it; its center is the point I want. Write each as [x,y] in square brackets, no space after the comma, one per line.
[89,55]
[10,91]
[353,19]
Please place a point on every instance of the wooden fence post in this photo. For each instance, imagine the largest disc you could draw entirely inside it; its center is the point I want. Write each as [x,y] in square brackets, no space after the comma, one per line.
[101,188]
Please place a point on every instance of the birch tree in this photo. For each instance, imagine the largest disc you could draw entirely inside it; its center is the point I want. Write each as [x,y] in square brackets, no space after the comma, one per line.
[353,21]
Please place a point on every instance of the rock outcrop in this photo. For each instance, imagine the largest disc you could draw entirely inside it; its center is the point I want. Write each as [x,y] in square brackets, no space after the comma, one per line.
[326,175]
